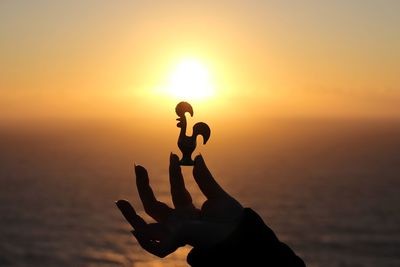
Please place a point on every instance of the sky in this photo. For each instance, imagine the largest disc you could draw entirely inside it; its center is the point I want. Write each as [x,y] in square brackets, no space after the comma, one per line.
[84,59]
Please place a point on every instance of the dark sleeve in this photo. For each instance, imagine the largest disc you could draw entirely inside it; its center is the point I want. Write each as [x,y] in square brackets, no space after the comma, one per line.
[252,243]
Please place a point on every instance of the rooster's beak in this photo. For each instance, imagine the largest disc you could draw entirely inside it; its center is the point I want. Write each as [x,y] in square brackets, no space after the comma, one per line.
[179,123]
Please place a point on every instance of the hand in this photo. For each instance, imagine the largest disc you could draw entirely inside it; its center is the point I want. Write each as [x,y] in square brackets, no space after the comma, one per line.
[185,224]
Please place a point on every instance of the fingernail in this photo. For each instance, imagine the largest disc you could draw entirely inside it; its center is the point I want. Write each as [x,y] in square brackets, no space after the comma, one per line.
[138,168]
[174,159]
[121,202]
[120,205]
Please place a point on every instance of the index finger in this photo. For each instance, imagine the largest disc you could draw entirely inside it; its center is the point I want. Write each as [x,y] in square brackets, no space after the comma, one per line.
[206,182]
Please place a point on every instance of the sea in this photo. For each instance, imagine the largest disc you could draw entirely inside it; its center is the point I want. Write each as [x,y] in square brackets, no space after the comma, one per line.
[329,188]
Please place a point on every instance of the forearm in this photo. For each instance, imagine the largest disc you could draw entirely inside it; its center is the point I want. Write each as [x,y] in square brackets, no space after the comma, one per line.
[251,242]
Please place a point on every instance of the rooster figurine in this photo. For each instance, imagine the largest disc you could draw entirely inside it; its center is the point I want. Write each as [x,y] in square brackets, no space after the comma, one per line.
[187,144]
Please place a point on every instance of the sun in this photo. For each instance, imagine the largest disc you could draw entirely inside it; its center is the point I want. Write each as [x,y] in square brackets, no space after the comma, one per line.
[190,80]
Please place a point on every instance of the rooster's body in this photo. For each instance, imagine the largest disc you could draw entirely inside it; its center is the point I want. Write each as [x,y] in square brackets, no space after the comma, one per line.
[187,144]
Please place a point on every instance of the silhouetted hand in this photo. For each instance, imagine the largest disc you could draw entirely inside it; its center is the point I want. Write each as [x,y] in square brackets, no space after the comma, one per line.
[185,224]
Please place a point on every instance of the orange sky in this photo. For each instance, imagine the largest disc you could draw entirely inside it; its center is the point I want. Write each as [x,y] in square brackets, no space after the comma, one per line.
[266,58]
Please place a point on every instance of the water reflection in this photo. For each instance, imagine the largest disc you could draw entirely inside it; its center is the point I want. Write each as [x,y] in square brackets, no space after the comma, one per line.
[330,194]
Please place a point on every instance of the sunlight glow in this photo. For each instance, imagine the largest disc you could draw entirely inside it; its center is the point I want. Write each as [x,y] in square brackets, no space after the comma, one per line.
[190,80]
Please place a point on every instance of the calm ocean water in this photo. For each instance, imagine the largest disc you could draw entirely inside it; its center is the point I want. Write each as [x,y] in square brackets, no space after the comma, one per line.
[329,189]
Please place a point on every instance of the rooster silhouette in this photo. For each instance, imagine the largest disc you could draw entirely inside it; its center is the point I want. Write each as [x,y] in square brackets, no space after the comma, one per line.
[187,144]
